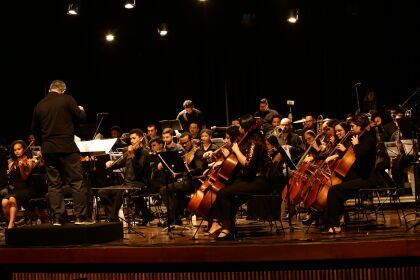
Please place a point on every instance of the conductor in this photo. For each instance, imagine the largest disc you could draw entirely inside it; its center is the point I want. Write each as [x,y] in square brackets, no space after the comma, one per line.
[54,118]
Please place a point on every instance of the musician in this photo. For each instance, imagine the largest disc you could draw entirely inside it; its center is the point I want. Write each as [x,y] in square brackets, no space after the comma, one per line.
[206,144]
[175,192]
[309,124]
[194,131]
[359,175]
[189,115]
[290,140]
[54,118]
[136,161]
[275,126]
[253,161]
[152,132]
[390,127]
[266,114]
[20,190]
[169,144]
[116,132]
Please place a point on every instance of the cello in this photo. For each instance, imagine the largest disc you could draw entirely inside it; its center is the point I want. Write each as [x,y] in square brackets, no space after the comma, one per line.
[218,177]
[331,173]
[297,181]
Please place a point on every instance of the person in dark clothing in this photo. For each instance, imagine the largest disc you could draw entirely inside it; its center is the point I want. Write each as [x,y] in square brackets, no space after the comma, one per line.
[359,176]
[19,190]
[189,115]
[136,161]
[266,114]
[253,161]
[54,118]
[175,192]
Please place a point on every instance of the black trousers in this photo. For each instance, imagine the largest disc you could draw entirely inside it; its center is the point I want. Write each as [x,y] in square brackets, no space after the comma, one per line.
[66,167]
[234,195]
[111,200]
[338,194]
[174,196]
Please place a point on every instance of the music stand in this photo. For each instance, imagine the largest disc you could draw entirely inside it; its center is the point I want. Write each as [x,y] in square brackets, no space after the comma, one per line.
[174,167]
[289,165]
[94,148]
[174,124]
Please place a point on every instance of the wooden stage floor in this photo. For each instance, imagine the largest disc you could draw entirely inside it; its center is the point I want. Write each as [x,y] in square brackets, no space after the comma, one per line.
[256,241]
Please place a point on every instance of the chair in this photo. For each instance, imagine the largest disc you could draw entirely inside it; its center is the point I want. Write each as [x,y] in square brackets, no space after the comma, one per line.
[378,197]
[266,207]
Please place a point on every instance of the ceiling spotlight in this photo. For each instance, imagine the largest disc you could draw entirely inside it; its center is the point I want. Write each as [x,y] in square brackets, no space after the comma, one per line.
[130,4]
[73,9]
[163,29]
[293,16]
[110,37]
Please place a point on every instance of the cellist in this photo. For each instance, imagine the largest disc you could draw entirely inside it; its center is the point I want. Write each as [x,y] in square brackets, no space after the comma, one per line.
[253,162]
[358,176]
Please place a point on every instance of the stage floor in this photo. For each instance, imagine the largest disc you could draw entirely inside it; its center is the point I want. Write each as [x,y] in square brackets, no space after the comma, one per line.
[256,241]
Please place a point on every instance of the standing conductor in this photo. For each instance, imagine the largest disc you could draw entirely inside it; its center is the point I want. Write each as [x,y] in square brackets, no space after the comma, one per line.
[54,119]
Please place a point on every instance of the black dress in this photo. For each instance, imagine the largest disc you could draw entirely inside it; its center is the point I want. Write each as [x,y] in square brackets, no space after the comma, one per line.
[20,189]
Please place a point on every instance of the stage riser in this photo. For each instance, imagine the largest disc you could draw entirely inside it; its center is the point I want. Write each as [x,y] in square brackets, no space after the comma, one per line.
[393,273]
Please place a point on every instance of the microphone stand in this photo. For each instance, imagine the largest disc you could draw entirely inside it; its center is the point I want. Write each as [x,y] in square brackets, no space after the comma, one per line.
[98,125]
[357,97]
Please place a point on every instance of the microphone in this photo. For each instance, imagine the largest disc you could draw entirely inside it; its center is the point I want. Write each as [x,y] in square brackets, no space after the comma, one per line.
[357,84]
[103,114]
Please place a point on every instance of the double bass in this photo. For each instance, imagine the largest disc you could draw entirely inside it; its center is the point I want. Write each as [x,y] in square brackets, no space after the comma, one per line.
[218,177]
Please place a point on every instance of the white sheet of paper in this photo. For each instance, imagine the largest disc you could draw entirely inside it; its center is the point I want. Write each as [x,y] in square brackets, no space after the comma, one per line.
[95,146]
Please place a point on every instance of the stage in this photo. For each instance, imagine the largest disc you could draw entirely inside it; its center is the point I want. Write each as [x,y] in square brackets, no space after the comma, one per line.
[259,247]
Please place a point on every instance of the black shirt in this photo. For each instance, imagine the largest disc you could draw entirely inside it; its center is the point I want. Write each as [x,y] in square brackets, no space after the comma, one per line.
[54,119]
[196,117]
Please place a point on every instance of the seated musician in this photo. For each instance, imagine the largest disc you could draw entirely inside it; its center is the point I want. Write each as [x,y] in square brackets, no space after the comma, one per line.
[194,131]
[169,144]
[136,161]
[359,176]
[206,144]
[19,190]
[116,132]
[341,128]
[175,192]
[290,140]
[253,161]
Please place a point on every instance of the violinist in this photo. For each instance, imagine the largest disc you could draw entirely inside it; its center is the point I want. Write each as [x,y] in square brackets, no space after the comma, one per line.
[19,189]
[206,144]
[358,176]
[253,164]
[175,192]
[136,161]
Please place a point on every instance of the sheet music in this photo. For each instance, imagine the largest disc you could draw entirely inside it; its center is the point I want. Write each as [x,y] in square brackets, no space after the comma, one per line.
[96,146]
[408,146]
[286,149]
[392,149]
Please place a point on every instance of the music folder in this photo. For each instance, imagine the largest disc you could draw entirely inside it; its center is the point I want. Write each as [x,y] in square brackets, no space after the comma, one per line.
[96,147]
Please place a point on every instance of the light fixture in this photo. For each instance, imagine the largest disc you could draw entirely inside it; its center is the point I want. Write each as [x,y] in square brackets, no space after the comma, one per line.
[130,4]
[163,29]
[73,9]
[293,16]
[110,37]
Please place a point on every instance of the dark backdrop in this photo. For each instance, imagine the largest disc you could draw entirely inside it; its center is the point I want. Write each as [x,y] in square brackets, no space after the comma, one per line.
[224,55]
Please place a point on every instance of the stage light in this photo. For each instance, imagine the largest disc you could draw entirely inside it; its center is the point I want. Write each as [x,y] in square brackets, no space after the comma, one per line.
[73,9]
[163,29]
[110,37]
[130,4]
[293,16]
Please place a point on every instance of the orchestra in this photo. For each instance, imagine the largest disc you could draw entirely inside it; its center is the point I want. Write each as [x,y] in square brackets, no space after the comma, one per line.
[334,159]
